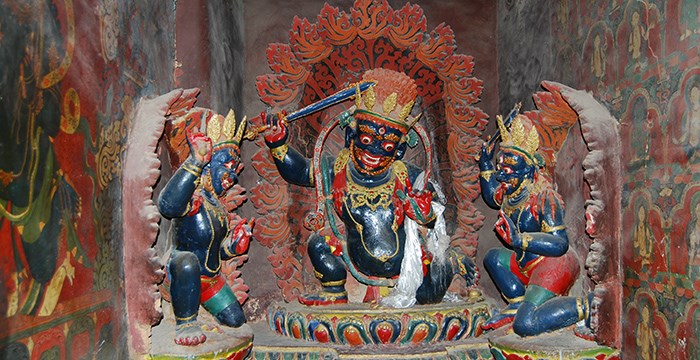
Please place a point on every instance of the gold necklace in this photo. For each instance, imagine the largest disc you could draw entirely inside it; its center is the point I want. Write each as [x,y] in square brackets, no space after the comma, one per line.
[507,207]
[372,197]
[213,210]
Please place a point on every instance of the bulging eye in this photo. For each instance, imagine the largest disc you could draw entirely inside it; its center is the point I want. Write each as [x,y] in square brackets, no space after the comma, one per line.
[507,170]
[365,139]
[388,146]
[229,165]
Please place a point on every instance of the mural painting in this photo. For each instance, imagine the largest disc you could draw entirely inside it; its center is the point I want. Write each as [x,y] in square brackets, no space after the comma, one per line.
[652,95]
[598,45]
[65,110]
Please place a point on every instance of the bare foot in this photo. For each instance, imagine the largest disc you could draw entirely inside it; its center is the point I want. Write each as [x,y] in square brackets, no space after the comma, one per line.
[189,334]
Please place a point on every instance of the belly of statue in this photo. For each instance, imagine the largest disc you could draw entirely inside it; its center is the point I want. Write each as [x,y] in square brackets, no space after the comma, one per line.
[194,234]
[374,247]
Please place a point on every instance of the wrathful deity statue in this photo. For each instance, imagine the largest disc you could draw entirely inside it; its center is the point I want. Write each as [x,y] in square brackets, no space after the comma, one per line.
[536,270]
[203,231]
[377,198]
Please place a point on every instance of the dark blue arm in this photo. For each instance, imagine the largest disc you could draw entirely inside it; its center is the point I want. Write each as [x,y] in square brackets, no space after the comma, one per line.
[175,197]
[552,240]
[293,167]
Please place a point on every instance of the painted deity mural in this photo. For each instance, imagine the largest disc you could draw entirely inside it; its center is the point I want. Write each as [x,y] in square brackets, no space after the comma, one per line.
[641,58]
[65,107]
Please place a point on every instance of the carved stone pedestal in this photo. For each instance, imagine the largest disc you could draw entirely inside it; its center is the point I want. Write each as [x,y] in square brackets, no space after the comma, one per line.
[362,331]
[562,344]
[222,342]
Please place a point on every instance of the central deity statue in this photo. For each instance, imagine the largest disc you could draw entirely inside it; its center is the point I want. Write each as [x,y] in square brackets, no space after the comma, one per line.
[375,196]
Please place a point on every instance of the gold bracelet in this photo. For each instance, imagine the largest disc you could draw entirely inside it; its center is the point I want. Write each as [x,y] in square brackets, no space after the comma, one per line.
[515,300]
[228,253]
[550,228]
[192,169]
[333,283]
[525,241]
[486,174]
[280,152]
[579,308]
[187,318]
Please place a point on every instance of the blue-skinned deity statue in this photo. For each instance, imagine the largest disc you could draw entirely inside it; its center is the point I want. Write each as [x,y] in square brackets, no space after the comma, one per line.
[374,194]
[535,270]
[203,232]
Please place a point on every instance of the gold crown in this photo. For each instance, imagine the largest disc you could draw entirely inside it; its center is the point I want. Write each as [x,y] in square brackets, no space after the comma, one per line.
[390,101]
[223,132]
[522,137]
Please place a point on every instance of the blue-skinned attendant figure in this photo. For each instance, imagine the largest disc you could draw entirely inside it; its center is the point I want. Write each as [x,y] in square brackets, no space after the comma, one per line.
[536,270]
[372,192]
[202,231]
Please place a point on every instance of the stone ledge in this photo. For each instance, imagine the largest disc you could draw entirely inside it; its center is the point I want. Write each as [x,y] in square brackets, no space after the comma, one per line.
[222,342]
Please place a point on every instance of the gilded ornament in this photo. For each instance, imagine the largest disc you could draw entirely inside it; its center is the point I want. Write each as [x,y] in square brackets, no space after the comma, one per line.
[280,152]
[375,197]
[406,110]
[390,103]
[214,128]
[370,98]
[229,125]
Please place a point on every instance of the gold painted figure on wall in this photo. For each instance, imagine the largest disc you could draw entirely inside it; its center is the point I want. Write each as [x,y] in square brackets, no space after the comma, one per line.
[645,336]
[643,237]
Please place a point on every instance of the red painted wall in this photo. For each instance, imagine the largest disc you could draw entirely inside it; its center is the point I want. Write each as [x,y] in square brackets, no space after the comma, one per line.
[72,72]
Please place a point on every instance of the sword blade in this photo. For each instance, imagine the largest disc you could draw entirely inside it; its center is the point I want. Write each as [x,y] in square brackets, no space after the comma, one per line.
[340,96]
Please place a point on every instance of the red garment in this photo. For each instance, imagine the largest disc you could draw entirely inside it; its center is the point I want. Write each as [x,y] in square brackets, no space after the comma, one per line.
[556,274]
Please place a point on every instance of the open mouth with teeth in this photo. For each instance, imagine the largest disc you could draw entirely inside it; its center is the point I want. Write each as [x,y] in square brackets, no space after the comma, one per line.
[370,161]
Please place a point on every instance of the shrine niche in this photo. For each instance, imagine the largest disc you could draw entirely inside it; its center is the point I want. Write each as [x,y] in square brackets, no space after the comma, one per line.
[321,59]
[327,56]
[151,333]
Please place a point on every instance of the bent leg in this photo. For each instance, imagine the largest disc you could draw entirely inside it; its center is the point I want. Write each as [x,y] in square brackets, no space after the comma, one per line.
[501,266]
[546,306]
[435,283]
[184,285]
[497,263]
[439,276]
[184,297]
[542,311]
[330,270]
[219,300]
